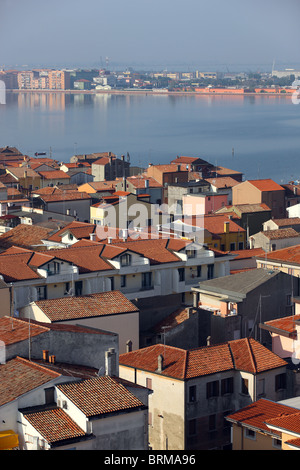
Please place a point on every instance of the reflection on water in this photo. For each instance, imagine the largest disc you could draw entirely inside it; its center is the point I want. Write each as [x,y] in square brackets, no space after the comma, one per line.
[263,130]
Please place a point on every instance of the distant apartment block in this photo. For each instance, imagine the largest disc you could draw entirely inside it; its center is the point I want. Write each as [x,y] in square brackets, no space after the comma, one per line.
[44,80]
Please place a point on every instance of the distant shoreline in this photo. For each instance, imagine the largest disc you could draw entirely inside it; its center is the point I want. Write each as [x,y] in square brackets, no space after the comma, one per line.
[147,92]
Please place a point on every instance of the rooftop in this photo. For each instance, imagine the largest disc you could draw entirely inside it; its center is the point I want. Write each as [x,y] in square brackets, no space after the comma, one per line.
[280,233]
[54,425]
[266,185]
[239,284]
[100,396]
[243,354]
[19,376]
[24,235]
[261,412]
[92,305]
[290,255]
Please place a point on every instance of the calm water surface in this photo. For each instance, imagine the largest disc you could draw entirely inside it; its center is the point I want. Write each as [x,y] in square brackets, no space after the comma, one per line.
[257,135]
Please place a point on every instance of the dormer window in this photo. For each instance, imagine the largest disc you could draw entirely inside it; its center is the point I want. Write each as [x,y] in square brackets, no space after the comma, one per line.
[125,260]
[191,253]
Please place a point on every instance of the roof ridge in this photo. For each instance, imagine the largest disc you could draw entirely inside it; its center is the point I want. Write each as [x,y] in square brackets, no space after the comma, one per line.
[252,356]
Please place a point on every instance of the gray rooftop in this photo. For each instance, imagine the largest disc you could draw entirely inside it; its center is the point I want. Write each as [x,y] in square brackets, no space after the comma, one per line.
[237,285]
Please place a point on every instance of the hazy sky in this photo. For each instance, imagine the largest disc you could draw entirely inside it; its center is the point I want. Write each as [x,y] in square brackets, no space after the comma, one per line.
[159,32]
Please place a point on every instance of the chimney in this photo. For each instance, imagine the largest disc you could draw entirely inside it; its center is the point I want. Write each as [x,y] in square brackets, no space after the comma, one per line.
[129,346]
[208,340]
[160,363]
[109,240]
[226,227]
[52,359]
[45,355]
[92,237]
[111,362]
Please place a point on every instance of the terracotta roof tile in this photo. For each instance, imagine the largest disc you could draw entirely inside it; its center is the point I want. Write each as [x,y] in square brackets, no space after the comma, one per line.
[14,266]
[54,425]
[243,354]
[285,324]
[100,396]
[54,174]
[289,255]
[13,330]
[290,422]
[256,414]
[92,305]
[19,376]
[156,250]
[87,258]
[24,235]
[280,233]
[266,185]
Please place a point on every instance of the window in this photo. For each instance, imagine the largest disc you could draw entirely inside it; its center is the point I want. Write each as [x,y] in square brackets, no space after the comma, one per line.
[212,389]
[289,300]
[192,427]
[280,382]
[245,386]
[123,280]
[210,271]
[199,271]
[41,292]
[147,280]
[192,393]
[78,288]
[181,273]
[232,246]
[148,382]
[276,443]
[111,283]
[241,245]
[227,386]
[191,253]
[125,259]
[250,434]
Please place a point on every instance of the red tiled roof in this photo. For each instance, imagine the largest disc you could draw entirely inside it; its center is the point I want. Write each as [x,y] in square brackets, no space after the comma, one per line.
[157,251]
[139,182]
[54,174]
[100,396]
[92,305]
[78,229]
[13,330]
[287,423]
[222,182]
[214,223]
[289,255]
[68,195]
[244,354]
[87,257]
[266,185]
[14,266]
[256,414]
[245,254]
[280,233]
[285,324]
[19,376]
[24,235]
[288,221]
[54,425]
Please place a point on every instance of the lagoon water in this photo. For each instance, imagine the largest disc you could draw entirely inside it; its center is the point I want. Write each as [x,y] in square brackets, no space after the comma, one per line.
[258,135]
